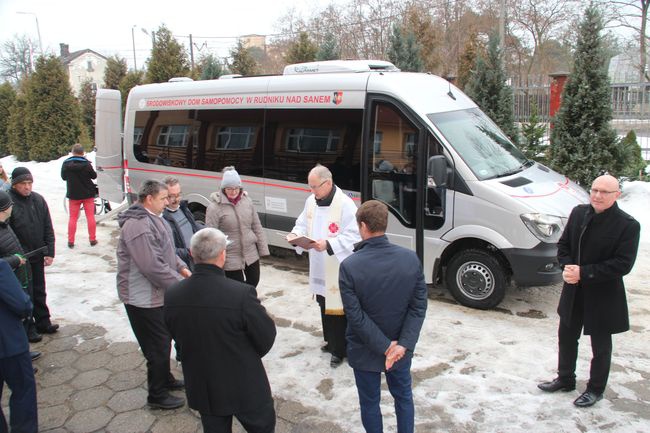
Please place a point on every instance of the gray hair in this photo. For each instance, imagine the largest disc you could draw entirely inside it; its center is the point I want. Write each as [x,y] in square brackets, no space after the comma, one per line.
[207,244]
[322,172]
[171,181]
[150,187]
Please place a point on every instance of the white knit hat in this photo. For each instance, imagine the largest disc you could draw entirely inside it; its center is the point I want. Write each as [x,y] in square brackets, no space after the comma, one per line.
[230,178]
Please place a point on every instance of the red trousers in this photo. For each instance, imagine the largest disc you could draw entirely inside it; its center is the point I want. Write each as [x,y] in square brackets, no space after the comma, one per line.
[89,209]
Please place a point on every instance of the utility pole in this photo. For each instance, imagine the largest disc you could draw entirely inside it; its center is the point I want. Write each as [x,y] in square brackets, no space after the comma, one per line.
[191,54]
[38,29]
[135,64]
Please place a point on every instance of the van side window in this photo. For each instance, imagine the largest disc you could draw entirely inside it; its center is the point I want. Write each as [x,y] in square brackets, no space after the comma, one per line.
[235,137]
[393,160]
[296,140]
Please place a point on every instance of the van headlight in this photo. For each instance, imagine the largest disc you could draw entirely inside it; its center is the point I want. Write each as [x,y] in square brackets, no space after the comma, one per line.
[546,228]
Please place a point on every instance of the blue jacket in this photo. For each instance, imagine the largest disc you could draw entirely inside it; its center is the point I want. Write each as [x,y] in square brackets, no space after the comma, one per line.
[14,306]
[385,298]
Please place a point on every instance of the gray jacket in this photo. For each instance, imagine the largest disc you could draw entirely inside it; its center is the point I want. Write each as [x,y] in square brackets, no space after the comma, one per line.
[242,226]
[147,263]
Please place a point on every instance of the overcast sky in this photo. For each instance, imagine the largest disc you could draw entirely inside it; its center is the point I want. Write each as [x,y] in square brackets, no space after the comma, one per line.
[106,26]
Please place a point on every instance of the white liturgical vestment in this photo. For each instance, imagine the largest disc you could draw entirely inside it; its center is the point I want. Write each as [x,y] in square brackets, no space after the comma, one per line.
[337,224]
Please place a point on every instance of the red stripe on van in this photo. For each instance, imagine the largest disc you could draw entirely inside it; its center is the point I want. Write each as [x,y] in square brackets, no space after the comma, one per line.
[252,182]
[560,186]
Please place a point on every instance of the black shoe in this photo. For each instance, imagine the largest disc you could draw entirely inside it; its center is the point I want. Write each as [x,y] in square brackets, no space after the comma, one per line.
[93,243]
[325,349]
[48,329]
[335,361]
[35,355]
[70,245]
[166,403]
[176,384]
[556,385]
[587,399]
[33,336]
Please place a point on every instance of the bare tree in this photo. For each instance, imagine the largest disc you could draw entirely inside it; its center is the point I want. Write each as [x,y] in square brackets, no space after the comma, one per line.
[541,21]
[16,58]
[632,14]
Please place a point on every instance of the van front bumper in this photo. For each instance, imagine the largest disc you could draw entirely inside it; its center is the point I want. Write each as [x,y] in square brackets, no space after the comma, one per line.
[534,267]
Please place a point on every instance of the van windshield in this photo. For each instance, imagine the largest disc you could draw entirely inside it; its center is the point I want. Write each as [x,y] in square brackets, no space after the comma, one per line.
[481,144]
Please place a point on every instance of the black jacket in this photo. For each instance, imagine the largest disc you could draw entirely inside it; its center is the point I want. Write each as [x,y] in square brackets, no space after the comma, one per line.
[222,332]
[604,245]
[9,247]
[78,173]
[30,220]
[182,250]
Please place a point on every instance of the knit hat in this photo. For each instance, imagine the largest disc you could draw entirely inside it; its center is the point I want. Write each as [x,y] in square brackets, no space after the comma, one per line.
[21,174]
[5,201]
[230,178]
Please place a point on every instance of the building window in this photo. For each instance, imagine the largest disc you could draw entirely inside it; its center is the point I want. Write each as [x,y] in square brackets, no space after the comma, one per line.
[173,136]
[312,140]
[235,137]
[89,66]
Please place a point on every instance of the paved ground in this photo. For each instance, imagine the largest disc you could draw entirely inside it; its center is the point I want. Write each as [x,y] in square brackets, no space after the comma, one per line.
[87,385]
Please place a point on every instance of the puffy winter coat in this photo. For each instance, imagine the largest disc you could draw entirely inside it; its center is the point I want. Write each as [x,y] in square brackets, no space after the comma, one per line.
[32,224]
[242,226]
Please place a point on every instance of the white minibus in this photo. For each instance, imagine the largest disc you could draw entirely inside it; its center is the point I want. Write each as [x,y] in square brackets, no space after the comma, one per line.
[477,212]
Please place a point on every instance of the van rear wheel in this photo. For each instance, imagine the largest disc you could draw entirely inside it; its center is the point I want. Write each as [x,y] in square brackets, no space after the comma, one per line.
[476,279]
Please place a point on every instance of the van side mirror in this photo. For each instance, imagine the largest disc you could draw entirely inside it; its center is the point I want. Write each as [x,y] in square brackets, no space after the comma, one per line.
[437,170]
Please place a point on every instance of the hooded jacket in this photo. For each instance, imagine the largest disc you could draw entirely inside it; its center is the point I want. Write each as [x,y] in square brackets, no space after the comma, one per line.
[147,263]
[78,173]
[242,225]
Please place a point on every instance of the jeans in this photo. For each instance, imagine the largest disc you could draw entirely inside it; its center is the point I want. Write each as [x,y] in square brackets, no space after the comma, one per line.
[17,372]
[89,210]
[399,385]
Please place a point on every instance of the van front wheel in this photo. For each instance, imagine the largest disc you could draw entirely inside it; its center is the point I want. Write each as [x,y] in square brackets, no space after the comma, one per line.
[476,279]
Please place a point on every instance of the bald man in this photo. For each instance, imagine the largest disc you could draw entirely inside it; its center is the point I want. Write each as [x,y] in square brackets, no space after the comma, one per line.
[598,247]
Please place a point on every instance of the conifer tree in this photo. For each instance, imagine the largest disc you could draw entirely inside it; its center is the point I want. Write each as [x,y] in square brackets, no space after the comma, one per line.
[87,105]
[243,62]
[114,72]
[168,58]
[52,115]
[211,68]
[404,50]
[17,143]
[7,99]
[329,49]
[629,158]
[302,50]
[488,88]
[583,143]
[532,133]
[130,80]
[471,51]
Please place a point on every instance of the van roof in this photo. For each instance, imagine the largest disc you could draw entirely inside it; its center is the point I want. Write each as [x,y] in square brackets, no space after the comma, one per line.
[339,66]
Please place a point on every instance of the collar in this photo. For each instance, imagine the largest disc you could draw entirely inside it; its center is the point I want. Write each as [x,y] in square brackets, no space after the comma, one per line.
[326,201]
[375,240]
[207,269]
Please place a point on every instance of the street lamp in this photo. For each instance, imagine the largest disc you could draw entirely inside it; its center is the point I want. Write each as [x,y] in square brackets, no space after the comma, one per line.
[38,29]
[135,65]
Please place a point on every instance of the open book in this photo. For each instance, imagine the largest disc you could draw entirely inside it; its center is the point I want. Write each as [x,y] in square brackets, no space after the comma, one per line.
[302,241]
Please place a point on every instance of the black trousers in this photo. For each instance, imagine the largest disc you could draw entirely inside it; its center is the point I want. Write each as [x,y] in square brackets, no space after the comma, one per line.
[260,420]
[333,329]
[149,328]
[41,313]
[249,275]
[18,373]
[601,348]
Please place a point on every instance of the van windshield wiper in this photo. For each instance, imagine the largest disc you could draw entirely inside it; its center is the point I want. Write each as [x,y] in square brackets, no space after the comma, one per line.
[519,169]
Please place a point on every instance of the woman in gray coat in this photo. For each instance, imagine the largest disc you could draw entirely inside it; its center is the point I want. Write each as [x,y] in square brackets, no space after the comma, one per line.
[232,212]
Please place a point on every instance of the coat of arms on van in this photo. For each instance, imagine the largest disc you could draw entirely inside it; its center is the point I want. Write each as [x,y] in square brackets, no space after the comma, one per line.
[338,98]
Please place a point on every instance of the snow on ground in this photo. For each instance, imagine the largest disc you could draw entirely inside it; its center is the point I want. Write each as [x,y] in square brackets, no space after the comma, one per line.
[474,371]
